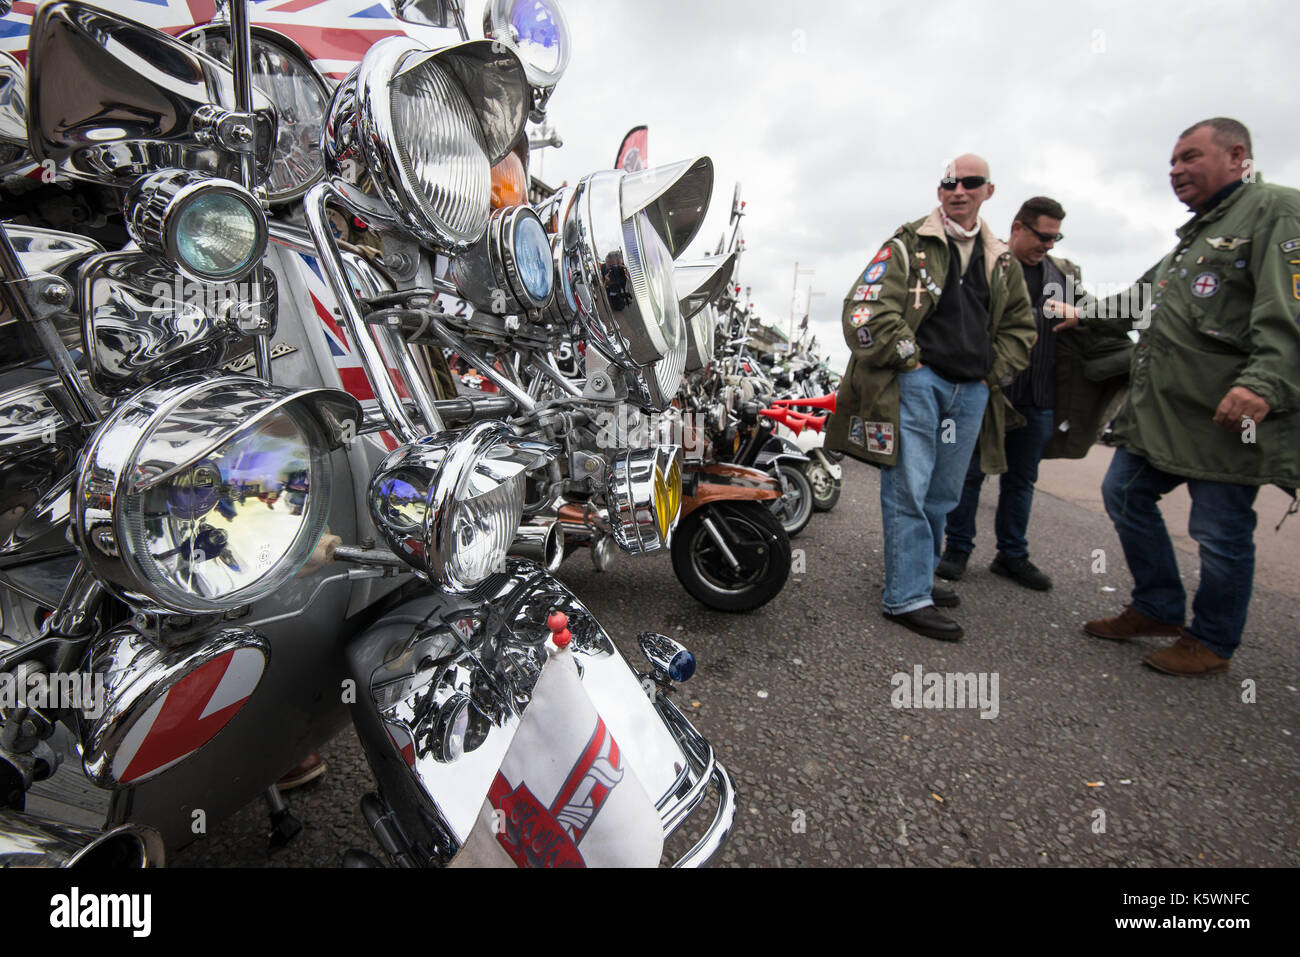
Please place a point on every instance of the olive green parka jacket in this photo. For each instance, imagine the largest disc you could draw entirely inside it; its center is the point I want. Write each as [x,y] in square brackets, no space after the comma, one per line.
[898,291]
[1222,310]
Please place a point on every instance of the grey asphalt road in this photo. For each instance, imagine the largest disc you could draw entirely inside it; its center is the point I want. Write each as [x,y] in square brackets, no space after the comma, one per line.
[1092,759]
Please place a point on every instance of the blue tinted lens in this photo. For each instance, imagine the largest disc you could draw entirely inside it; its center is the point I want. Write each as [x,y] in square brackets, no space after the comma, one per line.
[534,23]
[682,667]
[533,256]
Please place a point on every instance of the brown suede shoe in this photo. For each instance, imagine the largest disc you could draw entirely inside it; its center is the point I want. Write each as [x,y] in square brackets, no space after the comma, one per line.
[308,769]
[1130,623]
[1187,658]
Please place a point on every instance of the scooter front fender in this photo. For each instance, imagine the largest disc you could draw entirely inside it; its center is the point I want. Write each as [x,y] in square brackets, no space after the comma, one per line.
[725,482]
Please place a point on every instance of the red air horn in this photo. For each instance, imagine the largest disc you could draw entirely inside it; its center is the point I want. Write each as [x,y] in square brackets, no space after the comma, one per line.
[826,402]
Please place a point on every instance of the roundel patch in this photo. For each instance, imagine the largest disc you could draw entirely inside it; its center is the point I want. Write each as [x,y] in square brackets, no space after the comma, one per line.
[875,272]
[861,316]
[1205,285]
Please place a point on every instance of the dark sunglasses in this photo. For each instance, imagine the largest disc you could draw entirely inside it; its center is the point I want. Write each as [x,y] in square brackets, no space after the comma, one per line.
[969,182]
[1044,237]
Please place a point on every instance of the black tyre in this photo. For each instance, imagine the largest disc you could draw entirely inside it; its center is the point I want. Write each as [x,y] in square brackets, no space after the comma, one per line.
[825,487]
[794,509]
[755,539]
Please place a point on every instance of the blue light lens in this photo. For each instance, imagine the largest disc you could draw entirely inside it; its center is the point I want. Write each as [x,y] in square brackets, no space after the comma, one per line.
[682,666]
[533,257]
[217,236]
[535,25]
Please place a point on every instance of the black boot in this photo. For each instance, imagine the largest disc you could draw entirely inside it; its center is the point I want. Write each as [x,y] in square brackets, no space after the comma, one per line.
[953,564]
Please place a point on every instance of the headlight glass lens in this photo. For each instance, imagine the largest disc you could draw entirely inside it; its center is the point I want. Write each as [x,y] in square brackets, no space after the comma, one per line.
[539,34]
[301,101]
[533,258]
[225,524]
[441,147]
[217,235]
[658,269]
[483,524]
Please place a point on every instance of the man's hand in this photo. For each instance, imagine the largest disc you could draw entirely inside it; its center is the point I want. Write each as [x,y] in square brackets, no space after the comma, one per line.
[1240,403]
[1054,309]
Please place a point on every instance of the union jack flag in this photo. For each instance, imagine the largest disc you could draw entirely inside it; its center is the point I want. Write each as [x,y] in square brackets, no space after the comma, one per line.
[352,373]
[334,33]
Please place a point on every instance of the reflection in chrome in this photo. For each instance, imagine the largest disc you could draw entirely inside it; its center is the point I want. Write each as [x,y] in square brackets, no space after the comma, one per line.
[144,321]
[30,841]
[202,493]
[109,116]
[432,653]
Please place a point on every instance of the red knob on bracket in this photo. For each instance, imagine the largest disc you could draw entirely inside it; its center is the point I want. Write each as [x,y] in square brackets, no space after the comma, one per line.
[558,622]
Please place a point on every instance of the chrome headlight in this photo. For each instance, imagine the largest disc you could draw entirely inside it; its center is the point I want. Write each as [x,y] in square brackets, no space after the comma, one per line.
[620,232]
[214,229]
[510,269]
[536,31]
[450,504]
[700,333]
[428,127]
[644,489]
[203,494]
[282,71]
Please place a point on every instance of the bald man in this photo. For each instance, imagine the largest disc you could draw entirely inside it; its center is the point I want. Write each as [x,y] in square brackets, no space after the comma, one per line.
[938,323]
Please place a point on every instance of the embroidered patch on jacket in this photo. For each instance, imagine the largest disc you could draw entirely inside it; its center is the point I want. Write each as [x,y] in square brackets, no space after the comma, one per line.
[875,272]
[880,437]
[1291,245]
[906,348]
[866,293]
[857,432]
[1226,243]
[861,316]
[883,256]
[1295,285]
[1205,285]
[864,337]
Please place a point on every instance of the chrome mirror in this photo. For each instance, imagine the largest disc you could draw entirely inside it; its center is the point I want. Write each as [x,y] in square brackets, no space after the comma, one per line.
[426,13]
[111,99]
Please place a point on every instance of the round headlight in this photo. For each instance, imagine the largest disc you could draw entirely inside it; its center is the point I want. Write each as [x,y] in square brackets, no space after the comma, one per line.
[536,31]
[533,259]
[204,494]
[509,270]
[450,504]
[214,229]
[644,491]
[620,233]
[427,140]
[283,73]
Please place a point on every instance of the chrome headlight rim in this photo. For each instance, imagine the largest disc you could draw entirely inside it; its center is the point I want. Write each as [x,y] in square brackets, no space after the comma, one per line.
[497,24]
[489,275]
[294,52]
[360,124]
[644,497]
[107,483]
[156,203]
[443,465]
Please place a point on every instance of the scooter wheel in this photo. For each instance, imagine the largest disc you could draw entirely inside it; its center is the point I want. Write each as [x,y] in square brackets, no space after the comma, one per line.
[752,535]
[825,489]
[794,509]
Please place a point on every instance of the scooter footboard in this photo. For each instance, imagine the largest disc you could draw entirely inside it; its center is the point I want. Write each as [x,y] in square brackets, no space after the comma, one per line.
[443,682]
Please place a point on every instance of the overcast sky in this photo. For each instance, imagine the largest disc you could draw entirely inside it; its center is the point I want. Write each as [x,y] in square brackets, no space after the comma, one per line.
[838,118]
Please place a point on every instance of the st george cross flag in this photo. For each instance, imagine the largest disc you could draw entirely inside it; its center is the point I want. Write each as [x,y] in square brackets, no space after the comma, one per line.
[565,795]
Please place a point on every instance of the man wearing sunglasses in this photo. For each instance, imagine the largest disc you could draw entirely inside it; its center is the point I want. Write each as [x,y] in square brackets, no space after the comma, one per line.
[937,322]
[1070,382]
[1215,398]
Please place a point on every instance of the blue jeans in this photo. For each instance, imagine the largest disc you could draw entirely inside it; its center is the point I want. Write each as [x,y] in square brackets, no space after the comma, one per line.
[939,425]
[1025,447]
[1223,525]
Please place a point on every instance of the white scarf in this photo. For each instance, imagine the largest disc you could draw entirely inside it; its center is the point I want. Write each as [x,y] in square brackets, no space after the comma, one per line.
[957,231]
